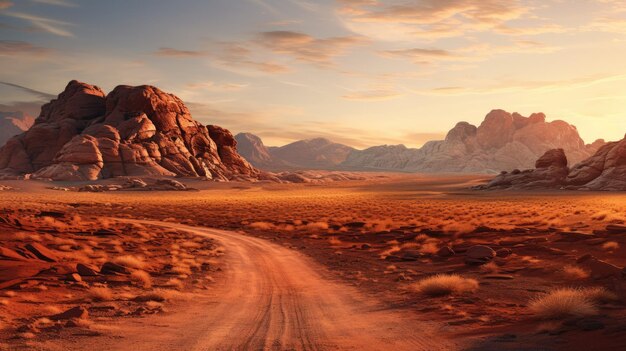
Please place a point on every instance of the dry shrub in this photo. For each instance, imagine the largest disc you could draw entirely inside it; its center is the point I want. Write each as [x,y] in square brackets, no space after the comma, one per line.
[317,226]
[445,284]
[334,241]
[429,248]
[101,293]
[490,268]
[130,261]
[570,302]
[610,245]
[261,225]
[574,273]
[174,283]
[141,277]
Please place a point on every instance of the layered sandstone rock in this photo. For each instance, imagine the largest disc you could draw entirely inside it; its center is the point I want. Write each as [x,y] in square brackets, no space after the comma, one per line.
[133,131]
[605,170]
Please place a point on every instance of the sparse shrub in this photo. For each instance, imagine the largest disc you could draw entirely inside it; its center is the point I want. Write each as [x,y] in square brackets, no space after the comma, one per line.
[445,284]
[130,261]
[101,293]
[570,302]
[261,225]
[142,277]
[610,245]
[317,226]
[574,273]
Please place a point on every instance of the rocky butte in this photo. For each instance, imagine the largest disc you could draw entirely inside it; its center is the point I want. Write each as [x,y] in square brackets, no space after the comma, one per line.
[605,170]
[86,134]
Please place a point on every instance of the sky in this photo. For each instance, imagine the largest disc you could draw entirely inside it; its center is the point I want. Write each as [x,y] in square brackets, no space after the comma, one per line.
[359,72]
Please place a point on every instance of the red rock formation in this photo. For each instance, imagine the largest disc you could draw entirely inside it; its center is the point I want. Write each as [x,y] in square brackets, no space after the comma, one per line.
[132,131]
[605,170]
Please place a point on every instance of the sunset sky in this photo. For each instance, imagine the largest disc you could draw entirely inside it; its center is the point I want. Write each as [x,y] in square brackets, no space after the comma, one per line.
[360,72]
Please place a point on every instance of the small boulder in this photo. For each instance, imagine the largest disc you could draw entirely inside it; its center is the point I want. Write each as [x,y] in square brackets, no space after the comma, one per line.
[86,270]
[73,277]
[616,229]
[503,252]
[72,313]
[479,254]
[42,252]
[113,268]
[445,251]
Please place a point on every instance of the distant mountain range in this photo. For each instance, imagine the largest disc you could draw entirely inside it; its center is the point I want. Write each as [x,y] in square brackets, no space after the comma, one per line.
[503,141]
[13,123]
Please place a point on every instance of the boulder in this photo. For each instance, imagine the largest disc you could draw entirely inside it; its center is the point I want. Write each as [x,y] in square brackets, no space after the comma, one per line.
[479,254]
[77,312]
[86,270]
[42,252]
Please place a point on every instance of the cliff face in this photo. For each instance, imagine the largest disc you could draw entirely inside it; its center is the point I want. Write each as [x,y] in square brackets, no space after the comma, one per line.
[85,134]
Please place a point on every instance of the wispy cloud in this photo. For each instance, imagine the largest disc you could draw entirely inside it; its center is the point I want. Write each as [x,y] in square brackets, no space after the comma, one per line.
[16,48]
[433,19]
[372,95]
[48,25]
[305,48]
[526,86]
[177,53]
[37,93]
[266,6]
[63,3]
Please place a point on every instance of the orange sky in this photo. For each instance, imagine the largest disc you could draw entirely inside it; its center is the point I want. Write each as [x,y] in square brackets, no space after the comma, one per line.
[361,72]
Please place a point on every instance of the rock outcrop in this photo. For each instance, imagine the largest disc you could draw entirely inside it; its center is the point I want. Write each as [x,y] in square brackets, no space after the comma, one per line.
[605,170]
[503,141]
[86,134]
[12,124]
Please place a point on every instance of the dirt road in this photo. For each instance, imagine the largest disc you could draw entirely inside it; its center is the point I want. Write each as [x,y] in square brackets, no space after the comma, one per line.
[274,298]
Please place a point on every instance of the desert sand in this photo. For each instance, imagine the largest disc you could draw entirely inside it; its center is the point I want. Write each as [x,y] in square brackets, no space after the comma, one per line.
[330,266]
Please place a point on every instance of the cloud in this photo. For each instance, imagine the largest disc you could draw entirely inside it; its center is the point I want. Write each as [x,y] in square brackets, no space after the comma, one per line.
[4,4]
[526,86]
[171,52]
[63,3]
[470,53]
[266,6]
[305,48]
[16,48]
[212,86]
[407,20]
[48,25]
[262,122]
[372,95]
[37,93]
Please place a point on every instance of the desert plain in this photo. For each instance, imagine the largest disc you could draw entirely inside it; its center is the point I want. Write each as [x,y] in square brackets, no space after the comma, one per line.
[390,261]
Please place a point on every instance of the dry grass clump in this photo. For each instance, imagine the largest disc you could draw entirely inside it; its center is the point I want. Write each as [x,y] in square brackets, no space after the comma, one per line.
[574,273]
[261,225]
[141,277]
[610,245]
[317,226]
[445,284]
[570,302]
[130,261]
[101,293]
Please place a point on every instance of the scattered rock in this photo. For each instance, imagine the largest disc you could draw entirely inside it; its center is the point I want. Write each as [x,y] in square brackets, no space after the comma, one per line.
[113,268]
[445,251]
[479,254]
[74,277]
[616,229]
[86,270]
[503,252]
[599,269]
[74,312]
[42,252]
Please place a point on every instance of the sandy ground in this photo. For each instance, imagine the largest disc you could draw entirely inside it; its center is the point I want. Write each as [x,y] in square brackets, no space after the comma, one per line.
[273,298]
[335,266]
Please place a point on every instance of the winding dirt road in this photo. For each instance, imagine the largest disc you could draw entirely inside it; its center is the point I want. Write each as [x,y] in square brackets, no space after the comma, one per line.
[274,298]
